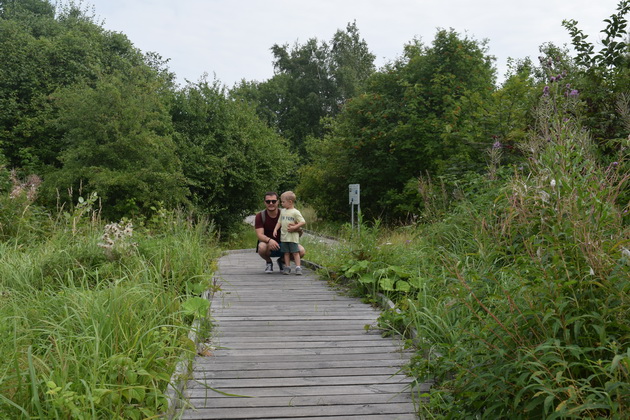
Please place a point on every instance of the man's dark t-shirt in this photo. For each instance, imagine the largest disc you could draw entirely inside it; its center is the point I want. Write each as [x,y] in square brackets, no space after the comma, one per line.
[269,225]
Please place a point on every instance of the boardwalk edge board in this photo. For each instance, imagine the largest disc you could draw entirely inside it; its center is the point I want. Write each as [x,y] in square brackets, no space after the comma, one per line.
[183,369]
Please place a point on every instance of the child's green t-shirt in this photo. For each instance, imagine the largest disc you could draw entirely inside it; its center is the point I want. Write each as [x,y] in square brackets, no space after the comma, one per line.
[289,217]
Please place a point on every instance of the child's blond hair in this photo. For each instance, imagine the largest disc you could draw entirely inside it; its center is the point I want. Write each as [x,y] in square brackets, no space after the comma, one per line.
[288,195]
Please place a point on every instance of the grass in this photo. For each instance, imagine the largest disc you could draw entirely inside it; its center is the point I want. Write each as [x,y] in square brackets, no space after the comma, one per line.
[96,333]
[243,238]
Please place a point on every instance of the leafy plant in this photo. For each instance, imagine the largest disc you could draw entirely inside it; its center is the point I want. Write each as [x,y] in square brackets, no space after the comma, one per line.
[543,325]
[196,307]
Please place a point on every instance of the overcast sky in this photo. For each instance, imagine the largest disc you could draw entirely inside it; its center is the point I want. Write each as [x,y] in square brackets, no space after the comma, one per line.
[231,39]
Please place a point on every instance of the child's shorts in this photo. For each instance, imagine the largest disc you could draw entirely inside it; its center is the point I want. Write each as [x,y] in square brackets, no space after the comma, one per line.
[291,247]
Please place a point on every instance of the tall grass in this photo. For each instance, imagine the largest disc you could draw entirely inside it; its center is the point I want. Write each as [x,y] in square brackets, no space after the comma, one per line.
[519,293]
[89,332]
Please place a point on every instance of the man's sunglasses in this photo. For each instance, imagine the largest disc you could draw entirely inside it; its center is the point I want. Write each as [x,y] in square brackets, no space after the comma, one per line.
[271,201]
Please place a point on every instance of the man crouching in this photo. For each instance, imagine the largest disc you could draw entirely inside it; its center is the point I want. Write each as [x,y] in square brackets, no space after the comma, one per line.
[268,246]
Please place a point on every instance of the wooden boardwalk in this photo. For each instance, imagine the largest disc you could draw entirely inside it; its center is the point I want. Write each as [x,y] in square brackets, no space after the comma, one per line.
[291,347]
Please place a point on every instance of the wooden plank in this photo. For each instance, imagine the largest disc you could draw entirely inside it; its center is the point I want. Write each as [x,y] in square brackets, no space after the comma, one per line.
[296,373]
[303,381]
[288,323]
[305,358]
[297,314]
[245,332]
[291,336]
[319,306]
[340,317]
[298,344]
[294,412]
[299,299]
[263,358]
[300,401]
[220,365]
[280,353]
[366,417]
[311,390]
[238,290]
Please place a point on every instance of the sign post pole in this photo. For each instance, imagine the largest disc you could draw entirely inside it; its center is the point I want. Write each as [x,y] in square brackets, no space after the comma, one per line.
[354,197]
[351,216]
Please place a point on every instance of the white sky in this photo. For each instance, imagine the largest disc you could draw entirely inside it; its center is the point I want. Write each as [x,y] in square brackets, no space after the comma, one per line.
[231,39]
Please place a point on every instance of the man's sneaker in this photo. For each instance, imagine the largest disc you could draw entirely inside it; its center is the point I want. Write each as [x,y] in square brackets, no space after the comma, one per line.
[269,267]
[280,264]
[298,271]
[286,270]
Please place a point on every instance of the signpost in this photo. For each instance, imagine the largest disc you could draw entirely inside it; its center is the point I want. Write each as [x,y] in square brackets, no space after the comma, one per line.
[354,196]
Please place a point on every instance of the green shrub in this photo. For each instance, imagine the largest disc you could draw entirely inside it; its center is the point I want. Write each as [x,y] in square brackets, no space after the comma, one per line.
[546,320]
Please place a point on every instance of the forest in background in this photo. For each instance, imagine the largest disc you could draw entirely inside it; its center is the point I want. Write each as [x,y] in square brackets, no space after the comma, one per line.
[85,111]
[508,204]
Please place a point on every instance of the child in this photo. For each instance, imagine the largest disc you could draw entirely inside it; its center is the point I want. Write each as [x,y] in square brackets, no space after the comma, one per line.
[289,241]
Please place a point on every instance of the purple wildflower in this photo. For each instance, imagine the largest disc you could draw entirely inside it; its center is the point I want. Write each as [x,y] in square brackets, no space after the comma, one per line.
[497,145]
[553,79]
[546,91]
[574,93]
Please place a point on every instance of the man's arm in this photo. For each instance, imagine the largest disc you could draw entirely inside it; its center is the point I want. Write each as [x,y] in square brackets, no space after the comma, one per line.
[271,243]
[295,226]
[260,233]
[259,227]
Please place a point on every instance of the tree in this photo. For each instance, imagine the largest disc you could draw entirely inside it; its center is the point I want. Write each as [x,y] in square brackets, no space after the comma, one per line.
[118,142]
[26,9]
[509,114]
[419,115]
[352,63]
[40,53]
[230,157]
[603,76]
[311,81]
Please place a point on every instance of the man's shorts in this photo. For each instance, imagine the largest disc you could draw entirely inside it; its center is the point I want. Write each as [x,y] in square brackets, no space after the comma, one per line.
[275,253]
[291,247]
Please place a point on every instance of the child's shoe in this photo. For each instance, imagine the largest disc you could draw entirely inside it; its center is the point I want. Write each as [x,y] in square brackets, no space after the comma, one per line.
[286,270]
[298,271]
[269,267]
